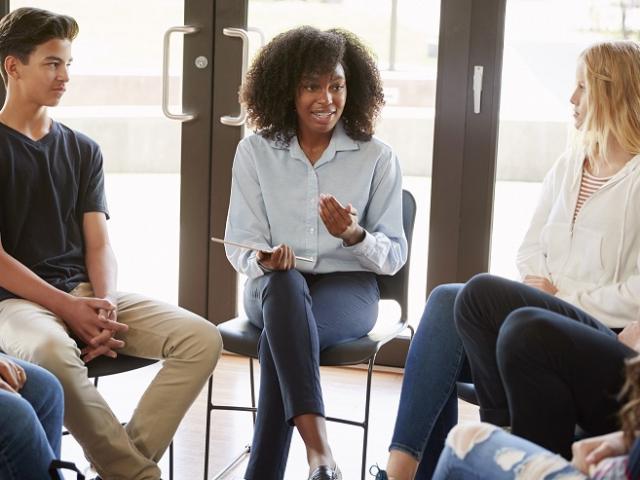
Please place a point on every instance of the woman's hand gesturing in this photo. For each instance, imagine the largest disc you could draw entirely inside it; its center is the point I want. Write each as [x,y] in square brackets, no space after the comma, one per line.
[341,222]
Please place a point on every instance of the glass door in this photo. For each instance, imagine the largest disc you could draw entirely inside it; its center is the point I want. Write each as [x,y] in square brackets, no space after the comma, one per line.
[535,115]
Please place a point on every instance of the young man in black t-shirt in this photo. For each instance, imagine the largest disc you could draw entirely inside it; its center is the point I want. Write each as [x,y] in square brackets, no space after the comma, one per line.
[58,271]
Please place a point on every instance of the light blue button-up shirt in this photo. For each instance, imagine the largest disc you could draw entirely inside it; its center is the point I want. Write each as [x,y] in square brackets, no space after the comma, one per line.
[274,200]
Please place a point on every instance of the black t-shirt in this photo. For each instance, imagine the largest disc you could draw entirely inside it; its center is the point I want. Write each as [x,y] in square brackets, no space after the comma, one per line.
[45,188]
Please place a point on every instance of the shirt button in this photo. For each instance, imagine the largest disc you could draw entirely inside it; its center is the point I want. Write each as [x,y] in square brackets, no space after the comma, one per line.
[311,230]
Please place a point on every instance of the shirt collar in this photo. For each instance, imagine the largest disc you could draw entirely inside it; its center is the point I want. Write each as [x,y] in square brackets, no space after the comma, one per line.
[340,142]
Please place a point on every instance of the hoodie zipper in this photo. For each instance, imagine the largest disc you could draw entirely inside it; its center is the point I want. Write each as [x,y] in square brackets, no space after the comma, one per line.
[610,182]
[607,185]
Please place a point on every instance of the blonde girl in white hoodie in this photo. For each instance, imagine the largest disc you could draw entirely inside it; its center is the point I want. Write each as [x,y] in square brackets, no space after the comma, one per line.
[548,353]
[580,285]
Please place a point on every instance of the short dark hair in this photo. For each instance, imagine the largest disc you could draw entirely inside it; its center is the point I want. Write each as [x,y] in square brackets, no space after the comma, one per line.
[270,88]
[22,30]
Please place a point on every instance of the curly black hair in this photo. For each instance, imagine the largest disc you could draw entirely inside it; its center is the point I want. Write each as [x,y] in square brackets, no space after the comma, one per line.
[270,87]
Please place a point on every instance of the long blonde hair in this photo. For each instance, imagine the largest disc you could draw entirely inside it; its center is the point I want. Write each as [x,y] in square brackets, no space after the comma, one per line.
[612,78]
[630,411]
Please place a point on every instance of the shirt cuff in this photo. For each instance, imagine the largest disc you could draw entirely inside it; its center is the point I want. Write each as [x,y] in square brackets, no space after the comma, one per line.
[365,248]
[255,270]
[263,268]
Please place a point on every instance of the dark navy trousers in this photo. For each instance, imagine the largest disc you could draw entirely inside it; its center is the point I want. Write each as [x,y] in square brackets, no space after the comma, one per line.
[300,315]
[539,363]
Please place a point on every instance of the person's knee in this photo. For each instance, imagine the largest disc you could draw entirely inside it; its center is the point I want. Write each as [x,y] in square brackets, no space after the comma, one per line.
[48,385]
[481,284]
[282,284]
[205,341]
[524,332]
[478,287]
[55,394]
[59,355]
[463,437]
[446,291]
[436,324]
[23,419]
[213,339]
[443,297]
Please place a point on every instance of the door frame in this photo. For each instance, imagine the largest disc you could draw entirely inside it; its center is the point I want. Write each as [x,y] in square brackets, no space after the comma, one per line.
[465,143]
[195,164]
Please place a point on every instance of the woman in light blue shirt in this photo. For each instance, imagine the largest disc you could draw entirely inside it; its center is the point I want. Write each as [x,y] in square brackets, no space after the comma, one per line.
[313,183]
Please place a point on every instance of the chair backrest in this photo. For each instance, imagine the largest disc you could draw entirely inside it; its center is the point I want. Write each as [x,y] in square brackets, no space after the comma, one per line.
[396,287]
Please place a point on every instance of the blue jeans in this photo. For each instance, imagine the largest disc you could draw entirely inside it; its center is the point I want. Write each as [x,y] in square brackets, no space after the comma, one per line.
[483,451]
[428,402]
[300,315]
[31,426]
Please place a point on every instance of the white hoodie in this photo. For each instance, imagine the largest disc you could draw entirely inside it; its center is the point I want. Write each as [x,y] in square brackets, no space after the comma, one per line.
[594,263]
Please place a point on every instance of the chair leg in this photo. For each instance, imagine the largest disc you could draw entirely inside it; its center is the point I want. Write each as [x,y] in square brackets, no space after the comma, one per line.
[253,390]
[365,425]
[171,460]
[208,428]
[234,463]
[247,448]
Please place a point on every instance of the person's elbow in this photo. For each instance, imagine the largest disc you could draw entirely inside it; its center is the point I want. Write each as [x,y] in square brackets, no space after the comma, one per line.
[396,259]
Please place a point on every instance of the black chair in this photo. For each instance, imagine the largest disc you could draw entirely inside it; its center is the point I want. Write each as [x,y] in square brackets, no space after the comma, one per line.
[104,366]
[467,392]
[241,337]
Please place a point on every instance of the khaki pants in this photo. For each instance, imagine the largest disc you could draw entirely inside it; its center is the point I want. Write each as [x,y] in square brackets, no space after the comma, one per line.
[189,345]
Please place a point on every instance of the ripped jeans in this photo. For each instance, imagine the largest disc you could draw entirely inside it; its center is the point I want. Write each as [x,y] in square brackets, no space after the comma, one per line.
[476,451]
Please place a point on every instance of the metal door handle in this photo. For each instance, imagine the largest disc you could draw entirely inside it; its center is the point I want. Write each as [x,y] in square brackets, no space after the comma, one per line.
[477,87]
[260,34]
[236,121]
[183,117]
